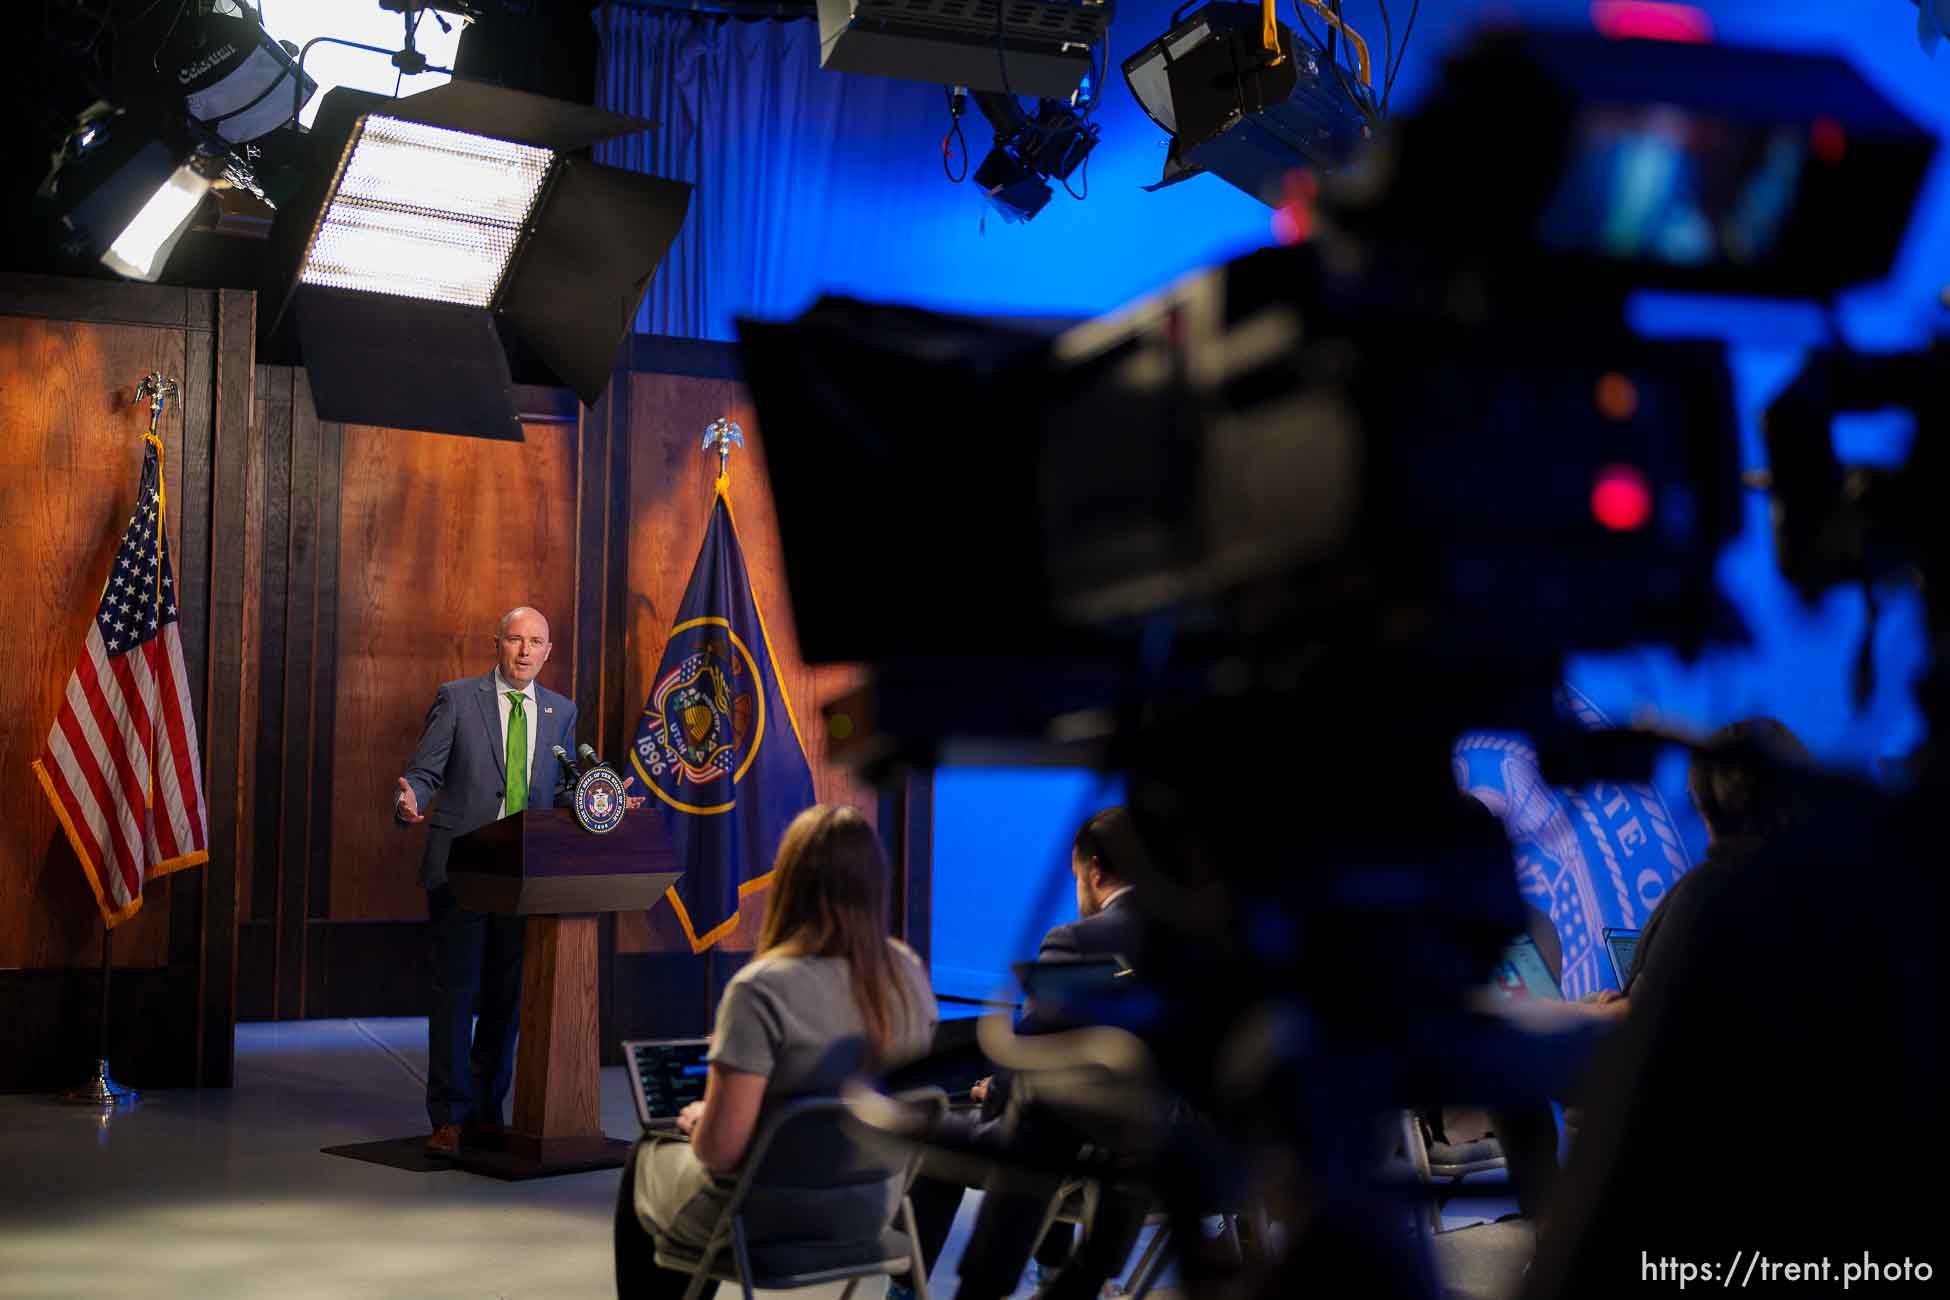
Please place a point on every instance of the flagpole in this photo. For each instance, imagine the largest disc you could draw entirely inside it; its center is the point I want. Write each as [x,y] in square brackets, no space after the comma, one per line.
[100,1089]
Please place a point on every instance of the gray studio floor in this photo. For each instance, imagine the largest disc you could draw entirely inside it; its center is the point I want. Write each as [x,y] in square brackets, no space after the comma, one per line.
[224,1193]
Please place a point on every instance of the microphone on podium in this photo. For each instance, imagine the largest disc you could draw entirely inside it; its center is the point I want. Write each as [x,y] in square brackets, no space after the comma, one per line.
[589,756]
[562,757]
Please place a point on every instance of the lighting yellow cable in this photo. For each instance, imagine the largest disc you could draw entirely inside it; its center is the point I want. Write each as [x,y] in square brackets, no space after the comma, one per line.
[1352,37]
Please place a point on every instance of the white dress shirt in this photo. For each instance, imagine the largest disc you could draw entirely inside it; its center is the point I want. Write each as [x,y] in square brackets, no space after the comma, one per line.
[1109,898]
[507,706]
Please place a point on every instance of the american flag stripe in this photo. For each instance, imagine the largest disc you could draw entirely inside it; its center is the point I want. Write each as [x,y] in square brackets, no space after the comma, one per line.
[172,832]
[177,711]
[137,677]
[74,794]
[120,742]
[122,767]
[86,744]
[116,830]
[129,687]
[115,907]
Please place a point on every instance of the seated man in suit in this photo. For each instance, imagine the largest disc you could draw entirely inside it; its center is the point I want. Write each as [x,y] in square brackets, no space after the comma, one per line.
[1108,924]
[486,752]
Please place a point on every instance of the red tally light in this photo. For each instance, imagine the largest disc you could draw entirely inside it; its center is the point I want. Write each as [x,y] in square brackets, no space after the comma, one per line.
[1621,498]
[1828,140]
[1644,20]
[1293,220]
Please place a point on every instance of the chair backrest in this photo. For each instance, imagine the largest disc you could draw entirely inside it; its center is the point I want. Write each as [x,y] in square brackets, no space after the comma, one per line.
[812,1175]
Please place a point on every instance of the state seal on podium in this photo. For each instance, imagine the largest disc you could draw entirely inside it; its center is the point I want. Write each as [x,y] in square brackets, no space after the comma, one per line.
[599,801]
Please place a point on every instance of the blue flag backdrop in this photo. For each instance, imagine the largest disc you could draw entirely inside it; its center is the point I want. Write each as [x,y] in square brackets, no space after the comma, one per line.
[1593,859]
[717,744]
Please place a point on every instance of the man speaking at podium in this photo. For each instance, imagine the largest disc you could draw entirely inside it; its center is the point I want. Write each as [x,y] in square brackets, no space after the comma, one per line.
[487,754]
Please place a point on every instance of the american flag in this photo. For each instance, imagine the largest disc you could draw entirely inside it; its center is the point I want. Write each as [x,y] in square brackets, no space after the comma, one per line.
[122,766]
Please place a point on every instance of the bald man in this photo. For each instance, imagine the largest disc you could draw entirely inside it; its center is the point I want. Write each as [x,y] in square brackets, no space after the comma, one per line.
[487,752]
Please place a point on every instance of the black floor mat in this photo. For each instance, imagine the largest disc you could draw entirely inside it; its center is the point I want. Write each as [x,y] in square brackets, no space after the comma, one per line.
[406,1153]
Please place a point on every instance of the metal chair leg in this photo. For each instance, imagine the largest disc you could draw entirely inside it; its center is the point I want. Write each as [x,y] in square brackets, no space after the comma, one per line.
[1417,1152]
[917,1268]
[1152,1263]
[1229,1229]
[741,1252]
[1050,1212]
[851,1283]
[1262,1233]
[699,1277]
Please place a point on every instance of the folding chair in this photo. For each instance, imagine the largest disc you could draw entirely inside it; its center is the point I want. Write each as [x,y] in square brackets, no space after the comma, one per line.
[1076,1202]
[806,1149]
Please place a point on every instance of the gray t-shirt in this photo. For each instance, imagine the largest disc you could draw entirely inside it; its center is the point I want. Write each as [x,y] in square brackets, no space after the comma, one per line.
[794,1020]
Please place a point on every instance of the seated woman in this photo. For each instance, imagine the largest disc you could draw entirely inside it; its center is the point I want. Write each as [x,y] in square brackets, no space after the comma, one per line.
[827,997]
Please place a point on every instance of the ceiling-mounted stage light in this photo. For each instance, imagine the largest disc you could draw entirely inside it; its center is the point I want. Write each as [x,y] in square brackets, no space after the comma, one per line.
[429,228]
[235,78]
[1017,47]
[1012,189]
[1236,110]
[1031,151]
[125,187]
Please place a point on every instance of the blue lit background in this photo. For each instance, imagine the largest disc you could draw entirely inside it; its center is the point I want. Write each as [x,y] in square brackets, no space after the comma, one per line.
[862,208]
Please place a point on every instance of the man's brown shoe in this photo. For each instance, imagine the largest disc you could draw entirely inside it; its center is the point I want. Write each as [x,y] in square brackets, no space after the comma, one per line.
[445,1142]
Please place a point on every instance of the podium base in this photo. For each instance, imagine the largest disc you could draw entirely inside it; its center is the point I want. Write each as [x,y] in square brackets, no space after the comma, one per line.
[100,1090]
[523,1156]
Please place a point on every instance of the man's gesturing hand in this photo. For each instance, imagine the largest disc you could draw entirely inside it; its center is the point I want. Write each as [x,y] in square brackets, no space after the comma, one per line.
[407,804]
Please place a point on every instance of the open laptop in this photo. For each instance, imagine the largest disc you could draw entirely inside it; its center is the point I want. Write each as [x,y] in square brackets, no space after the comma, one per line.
[1055,983]
[1521,974]
[666,1075]
[1621,945]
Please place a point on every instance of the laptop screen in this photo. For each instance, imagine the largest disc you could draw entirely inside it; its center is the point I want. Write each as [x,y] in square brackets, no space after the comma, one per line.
[1065,982]
[666,1076]
[1621,944]
[1520,973]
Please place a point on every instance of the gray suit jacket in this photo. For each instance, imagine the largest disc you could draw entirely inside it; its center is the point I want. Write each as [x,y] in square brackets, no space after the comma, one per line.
[460,758]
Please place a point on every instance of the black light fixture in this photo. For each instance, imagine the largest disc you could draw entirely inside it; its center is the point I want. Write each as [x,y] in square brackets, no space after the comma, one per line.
[1030,151]
[1014,47]
[1014,191]
[1246,114]
[431,230]
[236,80]
[125,186]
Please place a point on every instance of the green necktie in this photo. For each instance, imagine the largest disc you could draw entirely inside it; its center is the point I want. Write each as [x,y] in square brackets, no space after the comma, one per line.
[517,755]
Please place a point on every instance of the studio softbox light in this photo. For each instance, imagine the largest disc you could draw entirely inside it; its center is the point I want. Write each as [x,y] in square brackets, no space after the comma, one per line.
[1012,47]
[125,187]
[431,229]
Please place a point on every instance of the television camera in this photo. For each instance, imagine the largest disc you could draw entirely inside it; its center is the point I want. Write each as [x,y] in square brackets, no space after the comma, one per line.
[1266,540]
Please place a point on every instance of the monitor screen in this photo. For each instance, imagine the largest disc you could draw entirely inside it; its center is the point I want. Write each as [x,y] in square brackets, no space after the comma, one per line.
[671,1075]
[1622,944]
[1679,187]
[1520,974]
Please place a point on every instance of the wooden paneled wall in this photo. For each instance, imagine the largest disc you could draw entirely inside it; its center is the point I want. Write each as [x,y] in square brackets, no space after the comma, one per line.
[389,556]
[670,506]
[71,353]
[333,576]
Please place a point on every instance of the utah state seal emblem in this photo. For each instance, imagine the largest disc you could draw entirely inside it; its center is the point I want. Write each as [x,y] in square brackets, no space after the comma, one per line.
[705,718]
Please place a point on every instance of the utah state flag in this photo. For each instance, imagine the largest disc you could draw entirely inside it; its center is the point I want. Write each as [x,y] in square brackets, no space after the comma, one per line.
[718,744]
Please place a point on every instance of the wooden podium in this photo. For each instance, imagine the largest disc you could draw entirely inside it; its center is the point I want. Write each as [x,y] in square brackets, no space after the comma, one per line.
[541,864]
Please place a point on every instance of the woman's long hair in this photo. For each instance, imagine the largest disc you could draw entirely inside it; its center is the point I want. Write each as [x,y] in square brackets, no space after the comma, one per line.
[828,891]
